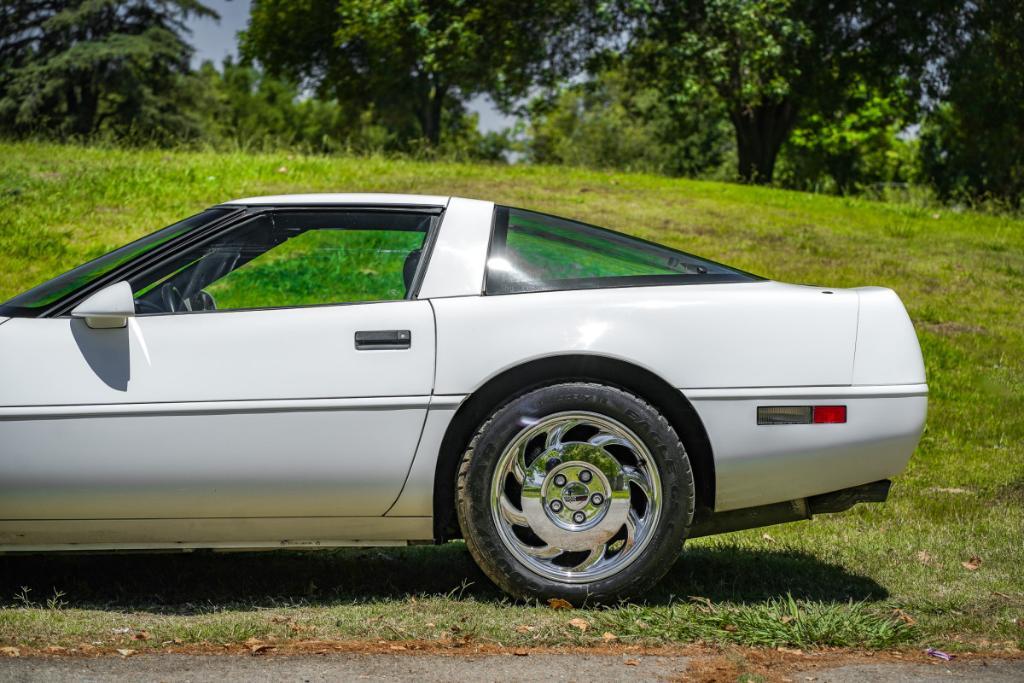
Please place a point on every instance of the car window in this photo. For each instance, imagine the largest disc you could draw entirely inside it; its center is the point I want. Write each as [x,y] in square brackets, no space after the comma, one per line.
[290,259]
[50,293]
[536,252]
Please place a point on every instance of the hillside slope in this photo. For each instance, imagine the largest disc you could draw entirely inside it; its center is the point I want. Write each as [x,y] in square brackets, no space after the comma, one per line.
[961,276]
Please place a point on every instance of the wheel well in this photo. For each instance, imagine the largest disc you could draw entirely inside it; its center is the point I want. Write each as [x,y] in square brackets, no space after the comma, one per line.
[555,370]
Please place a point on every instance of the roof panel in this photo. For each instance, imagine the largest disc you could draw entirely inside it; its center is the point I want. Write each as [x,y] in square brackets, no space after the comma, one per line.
[345,198]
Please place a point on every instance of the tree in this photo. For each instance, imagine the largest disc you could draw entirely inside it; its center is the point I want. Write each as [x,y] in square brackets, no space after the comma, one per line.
[972,142]
[414,63]
[769,61]
[83,66]
[613,121]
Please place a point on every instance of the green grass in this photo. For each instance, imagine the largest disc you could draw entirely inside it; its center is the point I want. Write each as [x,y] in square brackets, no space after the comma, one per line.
[836,580]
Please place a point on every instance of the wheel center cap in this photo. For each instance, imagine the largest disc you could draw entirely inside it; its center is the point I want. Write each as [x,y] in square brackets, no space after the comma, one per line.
[575,496]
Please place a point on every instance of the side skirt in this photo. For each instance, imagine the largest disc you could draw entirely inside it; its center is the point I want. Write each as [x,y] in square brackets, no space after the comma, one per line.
[226,533]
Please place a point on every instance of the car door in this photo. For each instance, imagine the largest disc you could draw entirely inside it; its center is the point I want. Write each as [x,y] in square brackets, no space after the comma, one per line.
[280,368]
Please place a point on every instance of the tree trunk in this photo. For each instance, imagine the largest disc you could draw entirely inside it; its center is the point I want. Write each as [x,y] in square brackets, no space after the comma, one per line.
[760,132]
[430,114]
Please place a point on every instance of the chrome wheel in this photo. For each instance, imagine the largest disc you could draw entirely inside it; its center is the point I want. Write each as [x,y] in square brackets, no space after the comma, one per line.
[576,497]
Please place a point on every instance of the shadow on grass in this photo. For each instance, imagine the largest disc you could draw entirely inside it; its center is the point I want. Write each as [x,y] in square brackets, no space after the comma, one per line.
[203,581]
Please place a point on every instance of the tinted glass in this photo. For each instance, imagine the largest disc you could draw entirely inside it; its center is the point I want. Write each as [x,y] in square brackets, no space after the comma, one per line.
[535,252]
[35,300]
[290,259]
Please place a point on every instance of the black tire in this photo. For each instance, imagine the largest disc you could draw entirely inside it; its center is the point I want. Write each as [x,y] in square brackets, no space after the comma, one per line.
[477,467]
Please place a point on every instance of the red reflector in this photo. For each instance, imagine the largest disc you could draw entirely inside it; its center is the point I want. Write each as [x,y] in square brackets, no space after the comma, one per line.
[829,414]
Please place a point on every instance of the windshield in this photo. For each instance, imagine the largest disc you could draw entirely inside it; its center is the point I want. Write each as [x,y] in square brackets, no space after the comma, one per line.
[36,300]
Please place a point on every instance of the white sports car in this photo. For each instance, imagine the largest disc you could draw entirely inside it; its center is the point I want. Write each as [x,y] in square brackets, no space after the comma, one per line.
[329,370]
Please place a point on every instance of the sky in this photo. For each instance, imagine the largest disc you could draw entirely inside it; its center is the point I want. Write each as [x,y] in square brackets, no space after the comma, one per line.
[215,40]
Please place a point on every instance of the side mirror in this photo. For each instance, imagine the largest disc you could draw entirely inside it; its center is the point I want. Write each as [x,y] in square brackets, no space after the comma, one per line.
[108,308]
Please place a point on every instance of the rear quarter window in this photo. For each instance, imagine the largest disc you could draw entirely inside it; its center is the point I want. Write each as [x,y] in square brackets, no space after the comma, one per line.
[533,252]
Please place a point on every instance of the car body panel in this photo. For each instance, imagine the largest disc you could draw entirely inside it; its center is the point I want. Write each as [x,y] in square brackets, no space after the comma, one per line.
[459,253]
[757,334]
[220,414]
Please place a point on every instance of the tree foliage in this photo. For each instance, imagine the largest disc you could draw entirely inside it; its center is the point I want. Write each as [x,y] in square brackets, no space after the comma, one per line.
[414,63]
[82,67]
[972,143]
[771,61]
[614,121]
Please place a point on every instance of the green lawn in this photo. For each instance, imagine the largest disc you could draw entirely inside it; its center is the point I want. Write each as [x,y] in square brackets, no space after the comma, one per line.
[875,576]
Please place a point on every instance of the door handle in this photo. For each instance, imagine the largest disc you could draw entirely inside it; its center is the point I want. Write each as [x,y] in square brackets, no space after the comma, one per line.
[372,340]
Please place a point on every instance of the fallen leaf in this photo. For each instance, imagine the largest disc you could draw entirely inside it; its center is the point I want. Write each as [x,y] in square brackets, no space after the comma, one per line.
[972,564]
[559,603]
[54,649]
[257,646]
[730,628]
[580,623]
[126,653]
[904,617]
[631,662]
[430,624]
[523,628]
[10,652]
[142,635]
[521,653]
[608,637]
[790,650]
[177,641]
[396,647]
[786,618]
[767,537]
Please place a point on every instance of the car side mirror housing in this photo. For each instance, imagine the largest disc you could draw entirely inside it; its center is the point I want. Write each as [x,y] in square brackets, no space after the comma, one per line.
[108,308]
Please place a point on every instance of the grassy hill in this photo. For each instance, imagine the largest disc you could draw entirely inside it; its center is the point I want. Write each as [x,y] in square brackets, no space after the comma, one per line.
[874,576]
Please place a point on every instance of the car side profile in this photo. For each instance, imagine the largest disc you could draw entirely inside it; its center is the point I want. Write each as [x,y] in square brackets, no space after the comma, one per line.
[360,369]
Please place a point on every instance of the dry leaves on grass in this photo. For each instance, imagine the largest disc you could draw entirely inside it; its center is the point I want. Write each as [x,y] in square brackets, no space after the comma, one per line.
[609,637]
[631,662]
[257,646]
[142,635]
[559,603]
[580,623]
[10,652]
[924,557]
[904,617]
[126,653]
[972,564]
[524,628]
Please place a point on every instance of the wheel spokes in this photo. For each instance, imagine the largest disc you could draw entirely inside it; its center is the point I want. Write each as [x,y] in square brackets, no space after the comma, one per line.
[511,513]
[595,556]
[559,490]
[541,552]
[634,476]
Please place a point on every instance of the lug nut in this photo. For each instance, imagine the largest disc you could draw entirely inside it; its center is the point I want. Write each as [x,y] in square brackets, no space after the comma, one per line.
[586,476]
[556,506]
[579,517]
[559,480]
[596,499]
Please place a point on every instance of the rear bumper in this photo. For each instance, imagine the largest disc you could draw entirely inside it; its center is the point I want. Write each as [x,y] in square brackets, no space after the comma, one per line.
[791,511]
[757,465]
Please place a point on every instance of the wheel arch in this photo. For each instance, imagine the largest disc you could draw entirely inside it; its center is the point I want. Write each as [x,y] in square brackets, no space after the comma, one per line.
[533,374]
